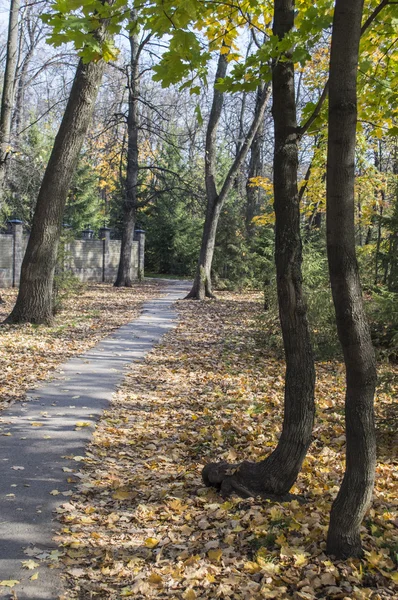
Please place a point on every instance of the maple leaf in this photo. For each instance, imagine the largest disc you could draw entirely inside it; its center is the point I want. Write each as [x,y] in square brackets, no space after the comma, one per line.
[29,564]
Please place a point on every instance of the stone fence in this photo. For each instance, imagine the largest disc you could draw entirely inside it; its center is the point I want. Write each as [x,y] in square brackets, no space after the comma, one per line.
[88,259]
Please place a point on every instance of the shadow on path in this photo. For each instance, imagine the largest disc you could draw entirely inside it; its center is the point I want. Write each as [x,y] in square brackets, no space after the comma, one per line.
[40,438]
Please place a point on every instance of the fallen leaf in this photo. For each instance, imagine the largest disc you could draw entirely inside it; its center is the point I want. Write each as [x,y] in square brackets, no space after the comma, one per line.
[29,564]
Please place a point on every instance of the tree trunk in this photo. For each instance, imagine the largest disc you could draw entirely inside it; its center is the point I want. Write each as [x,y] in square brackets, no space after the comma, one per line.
[35,298]
[202,284]
[356,490]
[7,100]
[255,170]
[30,30]
[123,278]
[275,475]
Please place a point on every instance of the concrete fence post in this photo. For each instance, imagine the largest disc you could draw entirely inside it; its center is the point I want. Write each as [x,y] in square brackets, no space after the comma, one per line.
[17,251]
[105,236]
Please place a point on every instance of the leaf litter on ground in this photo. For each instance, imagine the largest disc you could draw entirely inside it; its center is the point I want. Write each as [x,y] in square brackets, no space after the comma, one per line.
[142,525]
[30,353]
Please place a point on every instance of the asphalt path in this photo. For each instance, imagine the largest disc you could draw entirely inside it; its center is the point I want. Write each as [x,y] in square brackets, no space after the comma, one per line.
[42,438]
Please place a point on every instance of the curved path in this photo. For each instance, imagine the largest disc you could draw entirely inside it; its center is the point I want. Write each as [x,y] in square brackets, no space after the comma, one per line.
[40,442]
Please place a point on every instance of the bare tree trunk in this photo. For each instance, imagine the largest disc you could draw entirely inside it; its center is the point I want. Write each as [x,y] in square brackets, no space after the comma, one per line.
[275,475]
[255,169]
[202,284]
[123,278]
[355,493]
[31,33]
[7,100]
[35,298]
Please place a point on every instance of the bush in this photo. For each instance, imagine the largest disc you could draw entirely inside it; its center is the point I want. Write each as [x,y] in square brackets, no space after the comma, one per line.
[382,308]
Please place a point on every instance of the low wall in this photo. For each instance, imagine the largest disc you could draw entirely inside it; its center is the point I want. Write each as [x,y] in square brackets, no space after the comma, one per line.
[88,259]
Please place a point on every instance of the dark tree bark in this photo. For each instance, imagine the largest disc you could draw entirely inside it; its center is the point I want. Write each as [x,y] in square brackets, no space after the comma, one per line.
[275,475]
[215,200]
[355,493]
[7,100]
[35,298]
[123,278]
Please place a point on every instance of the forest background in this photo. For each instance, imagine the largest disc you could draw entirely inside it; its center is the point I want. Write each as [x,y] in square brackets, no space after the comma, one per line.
[175,101]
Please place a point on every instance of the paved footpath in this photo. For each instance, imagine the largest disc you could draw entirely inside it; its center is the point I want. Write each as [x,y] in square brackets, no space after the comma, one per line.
[40,441]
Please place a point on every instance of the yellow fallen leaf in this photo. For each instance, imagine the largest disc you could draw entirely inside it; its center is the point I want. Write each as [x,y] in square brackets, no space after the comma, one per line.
[83,424]
[30,564]
[35,424]
[155,579]
[300,559]
[35,576]
[151,542]
[393,576]
[189,595]
[276,513]
[215,554]
[252,567]
[121,494]
[9,583]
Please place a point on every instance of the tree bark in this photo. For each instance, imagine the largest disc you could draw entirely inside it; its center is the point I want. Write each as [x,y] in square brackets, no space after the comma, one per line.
[255,169]
[31,33]
[275,475]
[7,100]
[202,283]
[202,287]
[123,278]
[35,298]
[355,493]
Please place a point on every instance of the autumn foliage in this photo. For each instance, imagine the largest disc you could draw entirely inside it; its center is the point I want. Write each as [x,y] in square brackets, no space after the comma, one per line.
[143,526]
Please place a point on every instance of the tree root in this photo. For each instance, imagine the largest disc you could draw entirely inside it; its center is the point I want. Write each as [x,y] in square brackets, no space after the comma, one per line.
[123,283]
[344,546]
[244,479]
[195,295]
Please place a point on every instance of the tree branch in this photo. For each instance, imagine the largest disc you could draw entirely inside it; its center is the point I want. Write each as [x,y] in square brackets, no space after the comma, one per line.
[304,128]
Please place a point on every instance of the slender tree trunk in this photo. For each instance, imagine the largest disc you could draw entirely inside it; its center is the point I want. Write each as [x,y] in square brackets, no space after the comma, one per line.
[35,298]
[355,493]
[255,169]
[123,278]
[202,284]
[7,100]
[378,244]
[277,473]
[29,27]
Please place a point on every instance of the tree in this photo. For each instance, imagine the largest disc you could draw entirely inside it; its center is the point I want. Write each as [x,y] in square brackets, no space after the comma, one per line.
[356,490]
[215,199]
[35,297]
[277,473]
[7,99]
[130,200]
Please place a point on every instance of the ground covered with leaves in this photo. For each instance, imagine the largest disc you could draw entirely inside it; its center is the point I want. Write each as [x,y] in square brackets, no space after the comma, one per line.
[29,353]
[143,526]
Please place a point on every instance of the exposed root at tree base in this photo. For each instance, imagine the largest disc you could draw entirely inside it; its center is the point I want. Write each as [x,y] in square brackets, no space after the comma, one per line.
[126,284]
[344,546]
[240,479]
[196,296]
